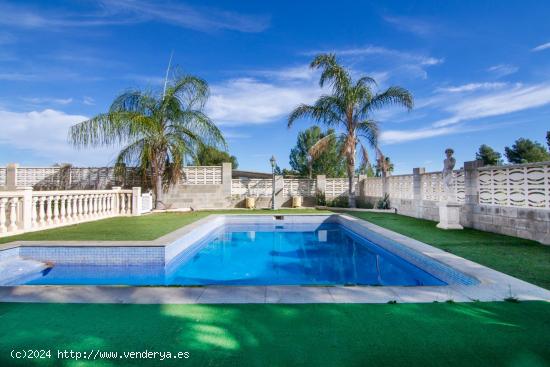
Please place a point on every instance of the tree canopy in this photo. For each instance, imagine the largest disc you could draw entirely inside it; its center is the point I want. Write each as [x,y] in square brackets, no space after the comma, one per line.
[208,155]
[489,156]
[329,162]
[526,151]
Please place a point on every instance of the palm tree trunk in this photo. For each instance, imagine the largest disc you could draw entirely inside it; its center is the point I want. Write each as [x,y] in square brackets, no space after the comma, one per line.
[351,173]
[158,167]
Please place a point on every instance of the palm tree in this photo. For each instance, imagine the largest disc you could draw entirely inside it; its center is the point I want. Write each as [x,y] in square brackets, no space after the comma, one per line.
[348,108]
[156,131]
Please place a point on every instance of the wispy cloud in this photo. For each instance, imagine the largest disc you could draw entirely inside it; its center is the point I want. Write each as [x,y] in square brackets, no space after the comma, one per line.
[397,62]
[47,100]
[47,75]
[544,46]
[471,87]
[517,99]
[412,25]
[400,136]
[88,101]
[124,12]
[467,112]
[383,51]
[503,69]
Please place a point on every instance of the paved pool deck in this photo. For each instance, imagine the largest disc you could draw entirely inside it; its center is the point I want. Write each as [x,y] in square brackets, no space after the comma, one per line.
[490,285]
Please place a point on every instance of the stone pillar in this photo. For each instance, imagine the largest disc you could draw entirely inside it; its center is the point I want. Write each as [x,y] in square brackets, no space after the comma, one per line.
[136,201]
[361,181]
[321,183]
[471,191]
[227,176]
[11,176]
[385,184]
[27,209]
[116,200]
[417,191]
[279,185]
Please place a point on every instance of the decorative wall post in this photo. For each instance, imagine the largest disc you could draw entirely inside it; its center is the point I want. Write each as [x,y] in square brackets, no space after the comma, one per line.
[29,209]
[361,182]
[227,176]
[279,185]
[11,176]
[471,190]
[136,200]
[321,184]
[116,200]
[385,183]
[417,191]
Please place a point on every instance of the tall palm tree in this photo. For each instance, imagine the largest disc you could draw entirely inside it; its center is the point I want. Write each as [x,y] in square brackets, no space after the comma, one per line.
[156,131]
[349,109]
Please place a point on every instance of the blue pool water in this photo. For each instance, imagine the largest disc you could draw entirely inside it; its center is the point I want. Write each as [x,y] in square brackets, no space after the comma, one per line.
[326,254]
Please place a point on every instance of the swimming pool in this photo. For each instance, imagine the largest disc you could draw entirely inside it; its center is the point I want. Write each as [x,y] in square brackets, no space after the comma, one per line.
[243,250]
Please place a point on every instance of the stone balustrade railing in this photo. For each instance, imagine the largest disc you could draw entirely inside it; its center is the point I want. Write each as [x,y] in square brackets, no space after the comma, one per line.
[27,210]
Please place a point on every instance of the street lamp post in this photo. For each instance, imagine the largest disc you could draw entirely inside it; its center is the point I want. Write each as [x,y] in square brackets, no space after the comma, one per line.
[273,165]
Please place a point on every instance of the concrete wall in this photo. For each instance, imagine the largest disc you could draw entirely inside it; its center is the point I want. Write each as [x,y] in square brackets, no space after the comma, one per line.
[197,197]
[532,224]
[528,223]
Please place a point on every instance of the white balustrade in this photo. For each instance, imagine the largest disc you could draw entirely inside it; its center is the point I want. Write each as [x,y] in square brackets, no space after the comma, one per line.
[49,209]
[3,202]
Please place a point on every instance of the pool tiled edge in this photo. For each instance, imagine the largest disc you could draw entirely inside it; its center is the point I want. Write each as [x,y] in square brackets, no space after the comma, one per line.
[489,284]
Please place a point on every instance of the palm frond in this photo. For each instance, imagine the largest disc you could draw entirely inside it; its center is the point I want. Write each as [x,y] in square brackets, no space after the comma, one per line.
[369,130]
[332,72]
[364,156]
[392,96]
[321,145]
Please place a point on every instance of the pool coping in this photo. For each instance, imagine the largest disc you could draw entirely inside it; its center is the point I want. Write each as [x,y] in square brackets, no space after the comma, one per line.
[492,286]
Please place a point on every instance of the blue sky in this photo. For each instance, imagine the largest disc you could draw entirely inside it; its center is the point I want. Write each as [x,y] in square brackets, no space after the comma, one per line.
[479,70]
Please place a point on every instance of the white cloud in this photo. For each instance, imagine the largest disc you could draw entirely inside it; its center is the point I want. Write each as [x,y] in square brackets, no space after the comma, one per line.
[251,101]
[544,46]
[89,101]
[412,25]
[297,73]
[123,12]
[467,111]
[384,51]
[503,69]
[400,136]
[500,103]
[471,87]
[47,100]
[44,133]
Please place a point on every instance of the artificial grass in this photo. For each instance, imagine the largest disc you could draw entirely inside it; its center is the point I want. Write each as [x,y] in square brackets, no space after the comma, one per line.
[436,334]
[523,259]
[142,228]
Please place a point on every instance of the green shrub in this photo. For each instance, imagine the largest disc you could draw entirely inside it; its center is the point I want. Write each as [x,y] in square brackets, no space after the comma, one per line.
[320,198]
[384,203]
[364,203]
[339,202]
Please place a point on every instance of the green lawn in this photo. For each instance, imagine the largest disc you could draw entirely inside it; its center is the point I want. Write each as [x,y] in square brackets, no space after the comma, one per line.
[436,334]
[147,227]
[523,259]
